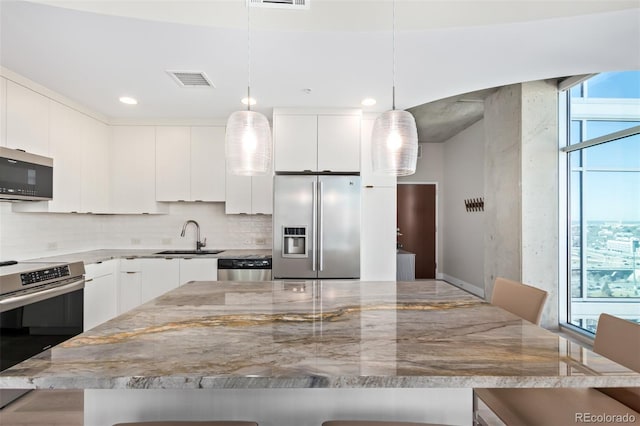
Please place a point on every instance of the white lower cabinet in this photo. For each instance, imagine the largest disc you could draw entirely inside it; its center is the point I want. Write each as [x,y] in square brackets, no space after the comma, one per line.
[100,294]
[198,270]
[129,285]
[158,277]
[111,291]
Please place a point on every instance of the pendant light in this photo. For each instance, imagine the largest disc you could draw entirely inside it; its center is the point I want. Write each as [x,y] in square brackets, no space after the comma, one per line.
[394,138]
[248,148]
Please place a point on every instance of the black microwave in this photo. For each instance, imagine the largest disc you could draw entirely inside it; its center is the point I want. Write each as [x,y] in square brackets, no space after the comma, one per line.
[25,176]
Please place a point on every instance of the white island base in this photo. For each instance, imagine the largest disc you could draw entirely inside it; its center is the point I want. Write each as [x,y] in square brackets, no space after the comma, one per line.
[278,407]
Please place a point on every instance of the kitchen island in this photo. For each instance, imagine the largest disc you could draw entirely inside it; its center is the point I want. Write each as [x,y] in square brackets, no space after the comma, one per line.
[285,337]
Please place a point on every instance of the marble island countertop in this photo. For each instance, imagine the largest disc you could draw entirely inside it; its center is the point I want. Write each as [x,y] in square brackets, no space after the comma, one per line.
[317,334]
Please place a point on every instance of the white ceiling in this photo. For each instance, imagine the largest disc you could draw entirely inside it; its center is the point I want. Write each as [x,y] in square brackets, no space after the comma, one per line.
[94,52]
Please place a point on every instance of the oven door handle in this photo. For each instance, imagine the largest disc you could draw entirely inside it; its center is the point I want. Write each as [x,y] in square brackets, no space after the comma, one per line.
[26,299]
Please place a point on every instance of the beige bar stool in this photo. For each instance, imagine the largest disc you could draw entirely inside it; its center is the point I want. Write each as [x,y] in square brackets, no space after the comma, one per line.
[618,340]
[372,423]
[519,299]
[189,423]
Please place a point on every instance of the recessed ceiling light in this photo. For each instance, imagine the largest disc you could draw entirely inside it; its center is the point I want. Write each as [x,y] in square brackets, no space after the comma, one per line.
[248,101]
[128,100]
[368,101]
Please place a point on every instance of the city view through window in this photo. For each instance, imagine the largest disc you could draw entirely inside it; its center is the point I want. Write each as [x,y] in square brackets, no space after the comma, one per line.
[604,199]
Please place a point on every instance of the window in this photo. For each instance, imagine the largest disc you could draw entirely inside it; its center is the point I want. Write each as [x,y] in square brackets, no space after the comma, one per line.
[603,186]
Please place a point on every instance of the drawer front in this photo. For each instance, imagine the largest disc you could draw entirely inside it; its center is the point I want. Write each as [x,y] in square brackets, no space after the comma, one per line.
[95,270]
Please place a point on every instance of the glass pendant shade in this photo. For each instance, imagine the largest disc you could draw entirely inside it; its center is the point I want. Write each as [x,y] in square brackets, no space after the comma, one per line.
[248,147]
[394,144]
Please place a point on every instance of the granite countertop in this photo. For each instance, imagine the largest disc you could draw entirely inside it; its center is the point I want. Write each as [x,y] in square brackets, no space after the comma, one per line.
[317,334]
[96,256]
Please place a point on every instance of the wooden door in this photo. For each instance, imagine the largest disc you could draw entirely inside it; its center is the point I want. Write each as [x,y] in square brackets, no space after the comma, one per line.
[417,222]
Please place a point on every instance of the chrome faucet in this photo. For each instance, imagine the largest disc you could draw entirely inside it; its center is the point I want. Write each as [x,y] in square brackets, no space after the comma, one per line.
[199,244]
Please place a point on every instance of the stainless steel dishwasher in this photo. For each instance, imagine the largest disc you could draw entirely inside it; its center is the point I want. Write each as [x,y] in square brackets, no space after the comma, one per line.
[249,268]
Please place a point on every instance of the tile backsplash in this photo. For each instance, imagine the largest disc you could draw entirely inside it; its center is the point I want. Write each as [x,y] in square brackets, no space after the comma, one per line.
[29,235]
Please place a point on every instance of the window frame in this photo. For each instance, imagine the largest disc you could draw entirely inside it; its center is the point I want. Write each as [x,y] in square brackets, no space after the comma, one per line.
[565,148]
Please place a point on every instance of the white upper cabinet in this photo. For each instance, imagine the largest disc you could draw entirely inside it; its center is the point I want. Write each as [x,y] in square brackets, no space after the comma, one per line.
[316,141]
[207,164]
[173,158]
[65,146]
[190,164]
[238,195]
[133,170]
[94,196]
[79,146]
[262,195]
[249,195]
[339,143]
[27,120]
[295,142]
[3,111]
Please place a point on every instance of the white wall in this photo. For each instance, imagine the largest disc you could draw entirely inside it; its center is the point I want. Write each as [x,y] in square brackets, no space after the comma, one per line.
[430,169]
[30,235]
[463,251]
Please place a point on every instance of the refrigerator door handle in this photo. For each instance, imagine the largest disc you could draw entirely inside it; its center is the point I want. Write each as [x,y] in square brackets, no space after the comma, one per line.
[314,224]
[321,226]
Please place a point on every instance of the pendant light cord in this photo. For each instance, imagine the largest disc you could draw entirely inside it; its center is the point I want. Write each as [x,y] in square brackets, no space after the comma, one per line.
[393,49]
[248,55]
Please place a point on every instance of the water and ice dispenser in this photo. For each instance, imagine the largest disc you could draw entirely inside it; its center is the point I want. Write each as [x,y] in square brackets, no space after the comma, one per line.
[295,241]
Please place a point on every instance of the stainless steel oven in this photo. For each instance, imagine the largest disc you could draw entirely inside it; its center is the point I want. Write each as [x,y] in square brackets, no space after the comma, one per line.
[41,305]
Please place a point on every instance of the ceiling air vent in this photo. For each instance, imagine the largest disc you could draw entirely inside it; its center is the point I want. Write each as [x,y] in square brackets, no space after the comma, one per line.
[191,79]
[281,4]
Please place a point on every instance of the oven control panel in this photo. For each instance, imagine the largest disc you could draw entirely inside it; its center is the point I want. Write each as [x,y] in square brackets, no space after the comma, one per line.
[42,275]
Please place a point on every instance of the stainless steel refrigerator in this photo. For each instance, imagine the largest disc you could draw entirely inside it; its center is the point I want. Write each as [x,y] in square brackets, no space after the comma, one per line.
[316,226]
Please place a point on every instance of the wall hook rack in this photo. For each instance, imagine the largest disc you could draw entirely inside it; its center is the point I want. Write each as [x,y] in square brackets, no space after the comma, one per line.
[474,204]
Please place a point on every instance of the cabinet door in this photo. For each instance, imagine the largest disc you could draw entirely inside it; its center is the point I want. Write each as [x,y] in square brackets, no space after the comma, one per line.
[100,300]
[129,285]
[198,270]
[65,146]
[238,194]
[94,197]
[366,163]
[3,111]
[339,143]
[207,164]
[158,277]
[27,120]
[378,234]
[262,195]
[295,142]
[133,188]
[173,164]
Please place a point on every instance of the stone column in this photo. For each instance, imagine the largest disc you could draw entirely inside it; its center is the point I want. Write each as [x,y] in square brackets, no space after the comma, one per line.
[521,189]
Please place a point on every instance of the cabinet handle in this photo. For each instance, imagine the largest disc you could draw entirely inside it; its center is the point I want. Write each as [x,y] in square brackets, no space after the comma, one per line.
[369,186]
[131,272]
[88,280]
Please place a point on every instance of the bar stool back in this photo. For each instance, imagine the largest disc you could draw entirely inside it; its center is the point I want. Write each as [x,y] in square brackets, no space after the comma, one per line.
[372,423]
[519,299]
[189,423]
[619,340]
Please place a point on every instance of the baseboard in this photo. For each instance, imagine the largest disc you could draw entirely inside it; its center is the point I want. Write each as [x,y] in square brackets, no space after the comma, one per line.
[464,285]
[439,276]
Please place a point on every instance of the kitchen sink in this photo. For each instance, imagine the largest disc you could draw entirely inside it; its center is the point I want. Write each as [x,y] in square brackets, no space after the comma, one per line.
[196,252]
